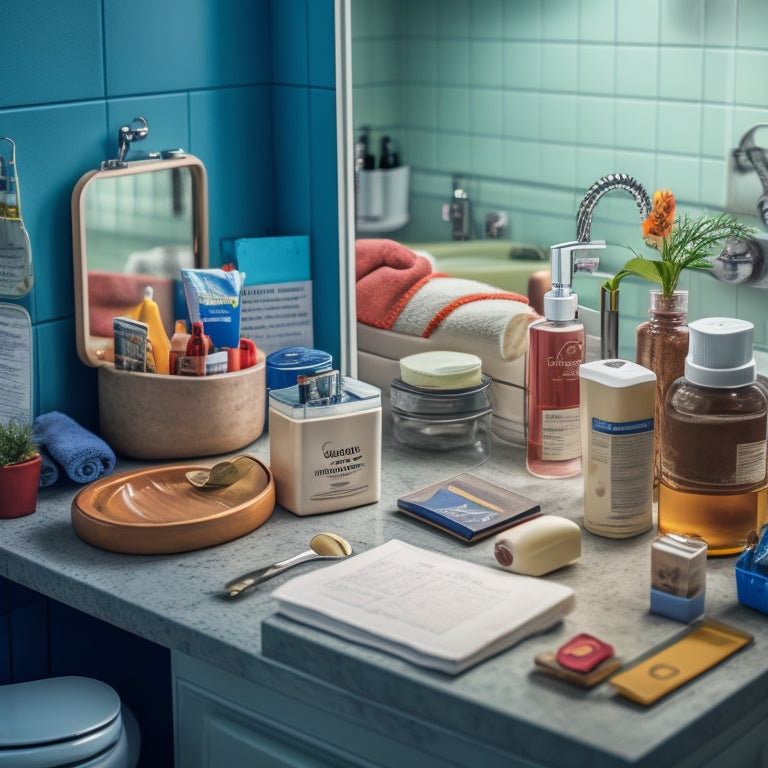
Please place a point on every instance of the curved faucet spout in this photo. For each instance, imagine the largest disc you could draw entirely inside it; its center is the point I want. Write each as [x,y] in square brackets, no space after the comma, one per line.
[601,187]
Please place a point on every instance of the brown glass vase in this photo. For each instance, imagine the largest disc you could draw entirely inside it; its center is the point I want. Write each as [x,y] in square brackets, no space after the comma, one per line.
[661,346]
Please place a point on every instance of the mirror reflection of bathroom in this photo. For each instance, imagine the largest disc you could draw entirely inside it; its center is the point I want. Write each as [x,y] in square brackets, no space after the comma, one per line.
[136,226]
[528,104]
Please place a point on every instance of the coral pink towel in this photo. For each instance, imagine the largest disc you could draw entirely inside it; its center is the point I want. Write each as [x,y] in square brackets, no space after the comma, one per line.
[387,275]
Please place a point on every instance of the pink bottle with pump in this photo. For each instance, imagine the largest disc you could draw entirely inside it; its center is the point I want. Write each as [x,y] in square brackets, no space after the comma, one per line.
[555,352]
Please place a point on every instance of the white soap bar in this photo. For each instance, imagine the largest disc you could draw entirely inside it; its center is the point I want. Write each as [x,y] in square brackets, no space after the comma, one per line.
[538,546]
[441,370]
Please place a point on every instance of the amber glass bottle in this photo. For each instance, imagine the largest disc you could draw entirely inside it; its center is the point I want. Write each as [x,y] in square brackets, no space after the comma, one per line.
[661,346]
[713,459]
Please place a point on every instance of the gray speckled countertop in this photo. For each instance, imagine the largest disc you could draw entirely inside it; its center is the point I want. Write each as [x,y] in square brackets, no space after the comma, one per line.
[175,600]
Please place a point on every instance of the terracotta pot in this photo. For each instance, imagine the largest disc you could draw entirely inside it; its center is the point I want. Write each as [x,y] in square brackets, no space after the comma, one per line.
[19,485]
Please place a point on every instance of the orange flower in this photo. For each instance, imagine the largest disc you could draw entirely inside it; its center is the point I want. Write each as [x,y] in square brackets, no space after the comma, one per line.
[659,223]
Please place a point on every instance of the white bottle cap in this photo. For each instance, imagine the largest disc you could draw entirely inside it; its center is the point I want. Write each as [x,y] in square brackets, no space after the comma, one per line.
[720,352]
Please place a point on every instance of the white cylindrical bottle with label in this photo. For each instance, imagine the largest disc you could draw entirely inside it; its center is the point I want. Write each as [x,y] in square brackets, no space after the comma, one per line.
[617,400]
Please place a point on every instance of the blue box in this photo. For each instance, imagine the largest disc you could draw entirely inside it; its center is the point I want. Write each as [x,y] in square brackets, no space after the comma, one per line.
[684,609]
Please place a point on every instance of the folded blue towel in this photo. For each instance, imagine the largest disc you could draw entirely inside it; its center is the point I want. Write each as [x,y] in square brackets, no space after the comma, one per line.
[81,454]
[49,469]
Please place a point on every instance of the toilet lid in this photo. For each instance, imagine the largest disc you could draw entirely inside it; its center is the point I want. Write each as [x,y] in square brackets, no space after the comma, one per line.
[56,709]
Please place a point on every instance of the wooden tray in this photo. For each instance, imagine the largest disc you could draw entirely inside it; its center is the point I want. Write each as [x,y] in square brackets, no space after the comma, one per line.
[158,511]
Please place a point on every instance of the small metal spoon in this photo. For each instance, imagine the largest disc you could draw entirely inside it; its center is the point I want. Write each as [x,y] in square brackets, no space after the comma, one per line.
[324,546]
[222,474]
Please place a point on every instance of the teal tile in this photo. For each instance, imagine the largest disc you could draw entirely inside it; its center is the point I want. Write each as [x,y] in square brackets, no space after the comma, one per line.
[388,105]
[751,305]
[289,33]
[415,60]
[521,160]
[559,67]
[421,17]
[597,21]
[453,62]
[421,149]
[720,18]
[751,74]
[596,123]
[453,108]
[679,128]
[715,131]
[290,189]
[636,124]
[560,20]
[558,166]
[57,362]
[485,153]
[241,198]
[719,76]
[362,63]
[487,20]
[50,56]
[637,22]
[143,57]
[485,64]
[48,169]
[523,21]
[752,23]
[681,175]
[321,43]
[421,106]
[682,23]
[680,73]
[453,19]
[714,183]
[520,114]
[558,117]
[637,71]
[485,112]
[597,69]
[522,65]
[453,152]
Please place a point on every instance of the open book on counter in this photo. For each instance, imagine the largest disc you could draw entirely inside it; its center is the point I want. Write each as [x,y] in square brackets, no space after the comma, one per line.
[432,609]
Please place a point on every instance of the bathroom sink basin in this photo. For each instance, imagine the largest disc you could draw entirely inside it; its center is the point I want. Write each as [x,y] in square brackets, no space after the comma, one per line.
[158,511]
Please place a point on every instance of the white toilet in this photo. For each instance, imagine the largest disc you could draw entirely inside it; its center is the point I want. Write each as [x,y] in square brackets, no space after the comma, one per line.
[66,721]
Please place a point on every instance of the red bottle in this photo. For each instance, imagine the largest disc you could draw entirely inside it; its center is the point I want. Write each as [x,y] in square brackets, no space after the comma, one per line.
[555,352]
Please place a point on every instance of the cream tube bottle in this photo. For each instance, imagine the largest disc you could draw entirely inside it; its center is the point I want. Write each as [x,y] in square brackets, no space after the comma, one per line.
[555,352]
[325,451]
[618,398]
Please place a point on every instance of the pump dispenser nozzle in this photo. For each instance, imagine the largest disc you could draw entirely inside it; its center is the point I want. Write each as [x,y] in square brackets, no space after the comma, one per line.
[560,302]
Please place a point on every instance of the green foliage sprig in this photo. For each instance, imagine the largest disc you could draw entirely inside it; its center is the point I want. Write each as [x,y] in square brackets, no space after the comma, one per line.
[17,443]
[687,246]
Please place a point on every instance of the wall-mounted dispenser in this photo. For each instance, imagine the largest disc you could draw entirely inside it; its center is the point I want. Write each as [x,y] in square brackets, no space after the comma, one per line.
[382,194]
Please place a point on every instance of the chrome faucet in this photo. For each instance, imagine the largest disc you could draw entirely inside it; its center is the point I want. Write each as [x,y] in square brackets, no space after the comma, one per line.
[595,193]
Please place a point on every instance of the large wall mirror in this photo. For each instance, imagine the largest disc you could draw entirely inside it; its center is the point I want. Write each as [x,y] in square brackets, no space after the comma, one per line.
[134,227]
[529,103]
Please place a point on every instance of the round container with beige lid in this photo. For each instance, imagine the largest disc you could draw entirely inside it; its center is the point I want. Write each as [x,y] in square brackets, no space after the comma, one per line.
[442,401]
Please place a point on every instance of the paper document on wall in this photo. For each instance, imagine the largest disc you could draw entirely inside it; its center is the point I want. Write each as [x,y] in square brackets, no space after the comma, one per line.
[431,609]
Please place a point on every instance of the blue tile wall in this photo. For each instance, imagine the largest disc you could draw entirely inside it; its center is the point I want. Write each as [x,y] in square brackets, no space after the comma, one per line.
[228,82]
[533,101]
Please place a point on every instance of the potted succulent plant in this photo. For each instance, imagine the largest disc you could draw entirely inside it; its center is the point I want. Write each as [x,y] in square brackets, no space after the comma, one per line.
[20,463]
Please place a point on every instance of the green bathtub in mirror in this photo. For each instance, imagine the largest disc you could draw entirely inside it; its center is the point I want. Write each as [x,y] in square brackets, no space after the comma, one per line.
[502,263]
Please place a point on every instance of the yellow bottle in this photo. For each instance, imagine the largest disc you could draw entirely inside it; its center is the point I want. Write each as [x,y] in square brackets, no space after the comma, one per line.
[149,313]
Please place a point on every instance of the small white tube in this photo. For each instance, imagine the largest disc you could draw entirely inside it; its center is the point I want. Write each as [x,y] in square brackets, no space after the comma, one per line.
[538,546]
